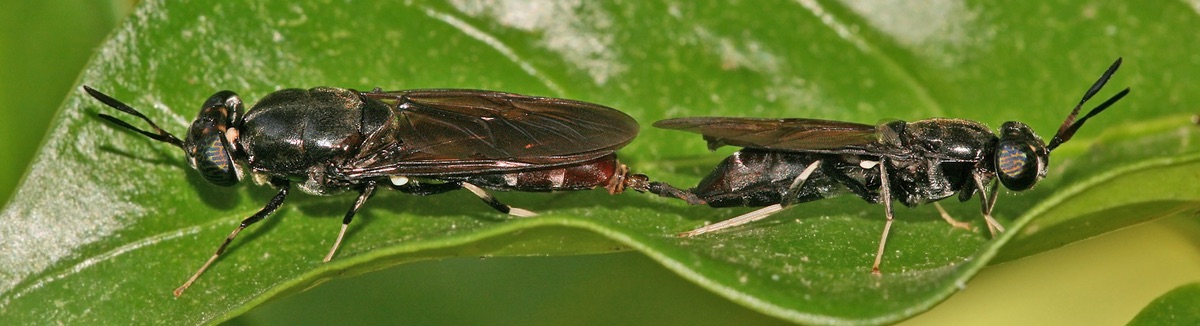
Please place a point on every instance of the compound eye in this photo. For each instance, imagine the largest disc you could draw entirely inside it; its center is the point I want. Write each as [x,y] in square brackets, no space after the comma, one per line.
[1018,165]
[213,160]
[210,139]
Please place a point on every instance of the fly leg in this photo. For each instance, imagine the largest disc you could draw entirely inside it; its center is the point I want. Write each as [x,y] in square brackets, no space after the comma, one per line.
[885,195]
[757,214]
[362,198]
[793,190]
[950,219]
[271,206]
[761,213]
[422,189]
[988,200]
[495,203]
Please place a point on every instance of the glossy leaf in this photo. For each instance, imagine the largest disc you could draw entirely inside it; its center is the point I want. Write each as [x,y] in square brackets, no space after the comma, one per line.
[1180,306]
[132,222]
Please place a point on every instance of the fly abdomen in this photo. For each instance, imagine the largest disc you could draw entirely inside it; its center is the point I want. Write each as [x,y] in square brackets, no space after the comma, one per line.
[754,178]
[599,172]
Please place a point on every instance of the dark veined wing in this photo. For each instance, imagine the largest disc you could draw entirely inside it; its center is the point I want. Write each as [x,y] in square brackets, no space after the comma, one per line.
[799,135]
[472,131]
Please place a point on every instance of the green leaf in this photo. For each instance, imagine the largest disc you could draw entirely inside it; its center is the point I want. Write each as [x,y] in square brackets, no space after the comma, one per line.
[41,72]
[1180,306]
[107,222]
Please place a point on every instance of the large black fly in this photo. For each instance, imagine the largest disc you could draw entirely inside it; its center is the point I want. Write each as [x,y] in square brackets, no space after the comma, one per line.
[789,161]
[328,140]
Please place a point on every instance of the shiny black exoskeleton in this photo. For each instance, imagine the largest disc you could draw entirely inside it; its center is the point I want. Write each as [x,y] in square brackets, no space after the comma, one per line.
[958,146]
[788,161]
[329,140]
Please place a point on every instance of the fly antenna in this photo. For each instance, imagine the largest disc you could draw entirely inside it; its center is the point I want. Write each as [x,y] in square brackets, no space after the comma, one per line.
[159,134]
[1069,126]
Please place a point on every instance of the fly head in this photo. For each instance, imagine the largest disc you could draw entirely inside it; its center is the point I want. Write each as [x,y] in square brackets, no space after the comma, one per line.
[210,141]
[1021,156]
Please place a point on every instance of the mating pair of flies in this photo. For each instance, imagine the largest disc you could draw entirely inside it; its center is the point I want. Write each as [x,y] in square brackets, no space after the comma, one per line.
[328,140]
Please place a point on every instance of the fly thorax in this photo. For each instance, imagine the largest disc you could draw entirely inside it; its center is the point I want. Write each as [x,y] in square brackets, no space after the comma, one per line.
[320,181]
[938,186]
[261,179]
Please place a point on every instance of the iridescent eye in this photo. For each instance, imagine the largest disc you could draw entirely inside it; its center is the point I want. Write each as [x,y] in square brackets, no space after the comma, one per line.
[1020,156]
[1011,160]
[211,138]
[1017,165]
[213,161]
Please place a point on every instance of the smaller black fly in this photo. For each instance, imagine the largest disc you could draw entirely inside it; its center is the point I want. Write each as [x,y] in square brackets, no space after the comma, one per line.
[328,140]
[789,161]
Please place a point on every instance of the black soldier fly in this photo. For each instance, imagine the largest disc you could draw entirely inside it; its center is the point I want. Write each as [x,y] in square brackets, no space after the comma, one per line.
[423,142]
[789,161]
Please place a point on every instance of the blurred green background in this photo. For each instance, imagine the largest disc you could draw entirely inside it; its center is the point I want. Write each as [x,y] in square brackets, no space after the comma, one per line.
[43,46]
